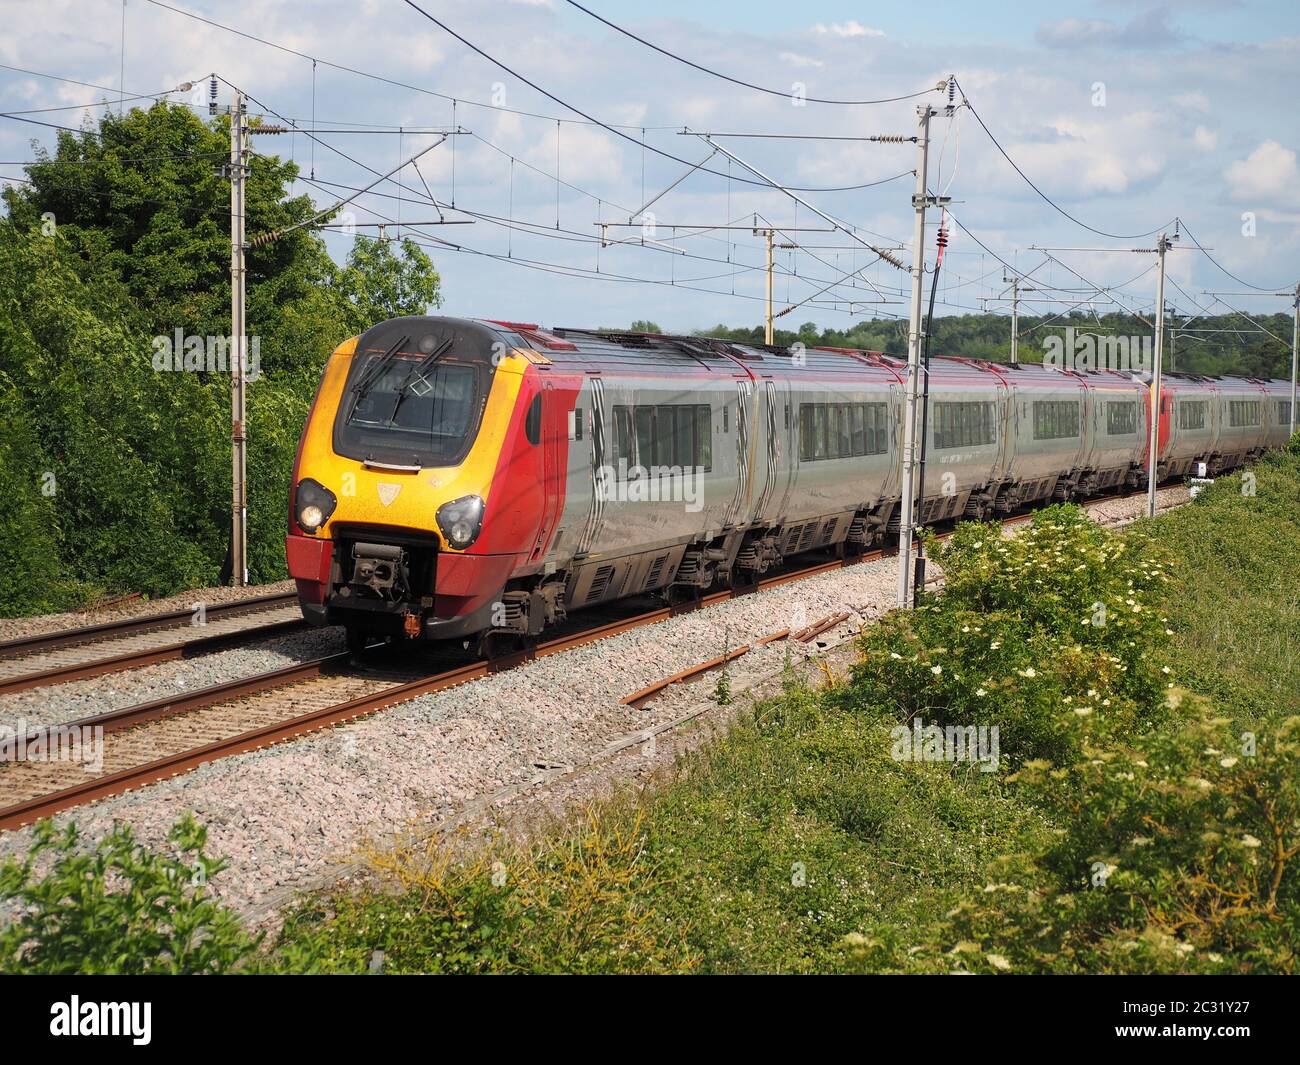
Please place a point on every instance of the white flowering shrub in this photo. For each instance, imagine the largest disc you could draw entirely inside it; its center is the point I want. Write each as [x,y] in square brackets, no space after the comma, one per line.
[1040,635]
[1179,853]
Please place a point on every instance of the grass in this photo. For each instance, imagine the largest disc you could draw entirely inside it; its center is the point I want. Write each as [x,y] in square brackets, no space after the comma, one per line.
[767,850]
[1236,606]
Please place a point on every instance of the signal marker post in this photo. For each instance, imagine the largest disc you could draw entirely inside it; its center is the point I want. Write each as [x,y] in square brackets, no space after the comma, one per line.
[1162,246]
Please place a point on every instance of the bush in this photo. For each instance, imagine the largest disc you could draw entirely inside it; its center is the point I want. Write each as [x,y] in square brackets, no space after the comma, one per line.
[118,908]
[1033,634]
[1178,854]
[33,577]
[582,902]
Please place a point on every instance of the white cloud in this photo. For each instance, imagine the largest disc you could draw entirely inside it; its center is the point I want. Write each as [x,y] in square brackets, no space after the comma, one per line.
[797,60]
[1206,140]
[1193,101]
[1269,172]
[1150,29]
[852,28]
[1075,32]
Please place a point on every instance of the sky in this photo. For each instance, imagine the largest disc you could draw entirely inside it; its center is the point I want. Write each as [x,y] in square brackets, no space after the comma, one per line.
[1124,114]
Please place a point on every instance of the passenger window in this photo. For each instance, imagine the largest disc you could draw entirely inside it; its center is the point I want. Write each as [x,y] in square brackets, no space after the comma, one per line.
[704,437]
[684,438]
[645,435]
[664,422]
[623,436]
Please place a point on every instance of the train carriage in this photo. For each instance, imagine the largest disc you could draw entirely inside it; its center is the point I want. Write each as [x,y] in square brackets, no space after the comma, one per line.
[1114,432]
[459,477]
[1190,424]
[1277,409]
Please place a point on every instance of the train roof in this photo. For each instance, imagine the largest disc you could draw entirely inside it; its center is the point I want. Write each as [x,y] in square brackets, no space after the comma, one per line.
[659,353]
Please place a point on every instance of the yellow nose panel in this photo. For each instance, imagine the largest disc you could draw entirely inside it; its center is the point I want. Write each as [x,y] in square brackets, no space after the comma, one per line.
[391,497]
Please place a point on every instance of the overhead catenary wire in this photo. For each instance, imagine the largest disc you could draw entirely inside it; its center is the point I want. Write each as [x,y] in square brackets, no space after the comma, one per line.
[373,76]
[746,84]
[267,238]
[1045,198]
[1199,247]
[617,131]
[540,229]
[324,143]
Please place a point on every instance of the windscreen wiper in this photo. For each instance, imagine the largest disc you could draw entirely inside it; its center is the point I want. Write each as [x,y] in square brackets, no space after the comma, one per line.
[376,368]
[415,371]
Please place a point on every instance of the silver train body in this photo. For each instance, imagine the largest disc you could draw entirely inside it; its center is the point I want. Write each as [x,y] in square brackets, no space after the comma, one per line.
[784,451]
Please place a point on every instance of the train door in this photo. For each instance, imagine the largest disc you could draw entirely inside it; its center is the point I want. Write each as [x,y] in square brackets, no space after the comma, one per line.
[769,430]
[1166,403]
[740,510]
[788,434]
[554,438]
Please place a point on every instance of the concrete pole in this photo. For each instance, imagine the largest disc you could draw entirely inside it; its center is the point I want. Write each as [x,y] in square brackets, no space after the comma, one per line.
[907,514]
[1015,321]
[1154,438]
[1295,347]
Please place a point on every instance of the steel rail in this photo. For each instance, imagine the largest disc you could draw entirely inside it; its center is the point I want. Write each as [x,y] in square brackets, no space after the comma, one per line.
[47,641]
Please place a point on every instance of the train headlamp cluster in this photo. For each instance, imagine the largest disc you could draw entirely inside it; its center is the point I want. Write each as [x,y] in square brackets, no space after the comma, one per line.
[313,504]
[460,521]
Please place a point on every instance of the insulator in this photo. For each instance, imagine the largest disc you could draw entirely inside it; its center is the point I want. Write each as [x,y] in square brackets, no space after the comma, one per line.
[952,89]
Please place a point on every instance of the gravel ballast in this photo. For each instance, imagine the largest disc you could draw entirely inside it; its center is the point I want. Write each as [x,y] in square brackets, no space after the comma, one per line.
[286,815]
[18,628]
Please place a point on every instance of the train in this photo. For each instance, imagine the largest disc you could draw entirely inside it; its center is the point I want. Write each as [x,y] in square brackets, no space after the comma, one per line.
[462,478]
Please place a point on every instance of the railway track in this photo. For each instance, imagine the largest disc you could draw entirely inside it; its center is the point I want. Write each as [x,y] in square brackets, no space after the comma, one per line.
[171,736]
[166,737]
[112,646]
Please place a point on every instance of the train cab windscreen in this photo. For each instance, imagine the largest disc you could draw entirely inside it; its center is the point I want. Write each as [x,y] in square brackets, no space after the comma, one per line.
[409,408]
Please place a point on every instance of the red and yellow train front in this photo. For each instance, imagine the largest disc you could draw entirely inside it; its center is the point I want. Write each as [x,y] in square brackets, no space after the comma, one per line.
[418,486]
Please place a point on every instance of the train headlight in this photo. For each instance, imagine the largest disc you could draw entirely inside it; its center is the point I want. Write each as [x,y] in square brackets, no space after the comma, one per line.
[314,504]
[460,521]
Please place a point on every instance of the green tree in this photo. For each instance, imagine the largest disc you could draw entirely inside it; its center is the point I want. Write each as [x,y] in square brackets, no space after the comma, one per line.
[120,240]
[378,284]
